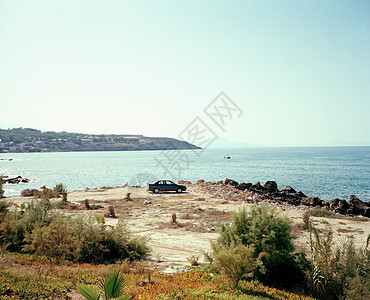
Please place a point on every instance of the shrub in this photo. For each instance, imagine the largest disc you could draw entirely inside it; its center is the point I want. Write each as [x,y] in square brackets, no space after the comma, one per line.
[59,189]
[12,230]
[334,273]
[53,241]
[111,212]
[30,192]
[39,230]
[1,187]
[102,243]
[235,261]
[4,207]
[324,214]
[269,234]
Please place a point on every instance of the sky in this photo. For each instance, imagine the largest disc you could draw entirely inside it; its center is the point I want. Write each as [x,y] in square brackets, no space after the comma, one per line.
[298,71]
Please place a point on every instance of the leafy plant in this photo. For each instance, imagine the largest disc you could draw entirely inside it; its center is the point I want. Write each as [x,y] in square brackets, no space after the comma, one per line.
[1,187]
[53,241]
[59,189]
[335,272]
[269,234]
[30,192]
[237,262]
[112,286]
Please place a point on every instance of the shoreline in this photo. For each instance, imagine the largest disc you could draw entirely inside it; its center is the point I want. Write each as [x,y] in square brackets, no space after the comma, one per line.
[232,190]
[199,213]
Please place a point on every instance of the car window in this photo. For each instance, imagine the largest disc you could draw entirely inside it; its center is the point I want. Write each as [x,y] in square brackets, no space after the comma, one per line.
[170,182]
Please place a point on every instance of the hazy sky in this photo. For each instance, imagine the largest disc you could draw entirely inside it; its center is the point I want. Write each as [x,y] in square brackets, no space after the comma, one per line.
[299,70]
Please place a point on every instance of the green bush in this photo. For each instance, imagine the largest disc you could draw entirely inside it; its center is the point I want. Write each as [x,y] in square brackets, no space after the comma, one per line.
[237,262]
[59,189]
[40,230]
[12,230]
[102,243]
[1,187]
[324,214]
[269,234]
[335,273]
[53,241]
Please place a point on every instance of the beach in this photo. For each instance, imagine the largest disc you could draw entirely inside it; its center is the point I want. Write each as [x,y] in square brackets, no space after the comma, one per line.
[198,214]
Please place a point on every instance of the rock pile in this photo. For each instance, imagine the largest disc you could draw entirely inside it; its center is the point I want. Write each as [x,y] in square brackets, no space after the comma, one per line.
[269,192]
[15,180]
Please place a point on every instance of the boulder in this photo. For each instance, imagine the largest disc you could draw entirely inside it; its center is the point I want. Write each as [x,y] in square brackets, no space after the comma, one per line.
[244,186]
[312,201]
[200,181]
[181,182]
[356,206]
[339,206]
[271,186]
[231,182]
[288,189]
[16,180]
[257,187]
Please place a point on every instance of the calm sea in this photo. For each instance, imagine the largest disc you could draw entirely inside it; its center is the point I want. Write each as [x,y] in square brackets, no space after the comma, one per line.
[327,172]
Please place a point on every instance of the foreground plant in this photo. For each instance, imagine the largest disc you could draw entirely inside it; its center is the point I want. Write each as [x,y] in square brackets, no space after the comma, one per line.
[338,273]
[1,187]
[112,286]
[257,245]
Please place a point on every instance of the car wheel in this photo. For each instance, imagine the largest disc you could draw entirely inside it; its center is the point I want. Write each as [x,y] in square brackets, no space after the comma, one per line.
[179,190]
[156,191]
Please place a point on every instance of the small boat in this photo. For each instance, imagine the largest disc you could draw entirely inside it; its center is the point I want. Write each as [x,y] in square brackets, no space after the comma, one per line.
[227,157]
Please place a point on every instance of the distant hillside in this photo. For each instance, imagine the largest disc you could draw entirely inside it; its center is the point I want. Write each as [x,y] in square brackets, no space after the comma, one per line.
[33,140]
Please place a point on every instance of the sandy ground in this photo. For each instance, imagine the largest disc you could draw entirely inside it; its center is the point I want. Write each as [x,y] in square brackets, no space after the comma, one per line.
[198,216]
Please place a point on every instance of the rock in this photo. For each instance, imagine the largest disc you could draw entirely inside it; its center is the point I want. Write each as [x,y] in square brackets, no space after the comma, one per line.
[312,201]
[181,182]
[300,194]
[271,186]
[231,182]
[16,180]
[339,206]
[200,181]
[244,186]
[357,207]
[146,202]
[220,182]
[288,189]
[257,187]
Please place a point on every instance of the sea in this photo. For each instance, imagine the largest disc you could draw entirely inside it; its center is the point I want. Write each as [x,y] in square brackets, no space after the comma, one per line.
[326,172]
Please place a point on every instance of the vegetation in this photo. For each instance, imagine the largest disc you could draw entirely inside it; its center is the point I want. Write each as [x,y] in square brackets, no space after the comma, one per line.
[325,214]
[112,286]
[1,187]
[340,273]
[32,140]
[39,230]
[40,279]
[260,245]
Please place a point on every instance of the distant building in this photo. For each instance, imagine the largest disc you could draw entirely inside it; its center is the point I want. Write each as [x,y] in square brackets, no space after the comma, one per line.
[2,145]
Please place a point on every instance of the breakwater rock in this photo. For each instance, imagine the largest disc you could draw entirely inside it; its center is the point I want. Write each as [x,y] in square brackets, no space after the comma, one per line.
[15,180]
[232,190]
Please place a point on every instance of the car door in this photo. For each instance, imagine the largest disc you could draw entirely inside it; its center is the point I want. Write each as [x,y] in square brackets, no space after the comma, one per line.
[162,185]
[171,186]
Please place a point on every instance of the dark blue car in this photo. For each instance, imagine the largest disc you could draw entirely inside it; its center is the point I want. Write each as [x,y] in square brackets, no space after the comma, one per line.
[166,185]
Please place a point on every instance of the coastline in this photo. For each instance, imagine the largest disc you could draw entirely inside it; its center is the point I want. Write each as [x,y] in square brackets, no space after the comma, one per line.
[198,213]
